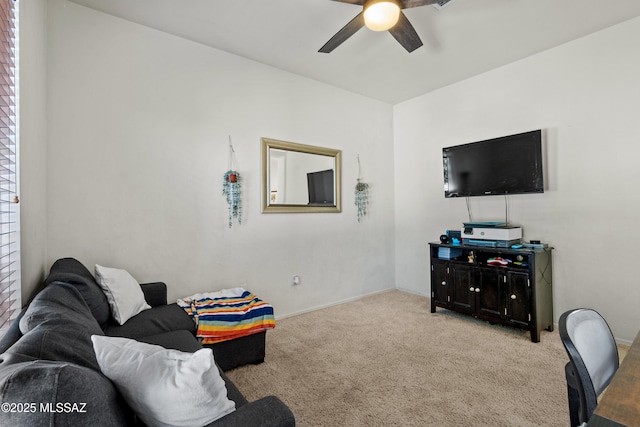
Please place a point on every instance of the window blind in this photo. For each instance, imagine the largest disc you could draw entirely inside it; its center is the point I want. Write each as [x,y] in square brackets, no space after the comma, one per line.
[10,298]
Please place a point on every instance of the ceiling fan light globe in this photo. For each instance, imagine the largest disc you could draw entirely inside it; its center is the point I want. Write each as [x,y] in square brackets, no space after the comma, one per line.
[381,15]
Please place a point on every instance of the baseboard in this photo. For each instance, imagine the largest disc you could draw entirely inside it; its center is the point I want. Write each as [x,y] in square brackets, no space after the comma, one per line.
[410,291]
[332,304]
[618,340]
[623,342]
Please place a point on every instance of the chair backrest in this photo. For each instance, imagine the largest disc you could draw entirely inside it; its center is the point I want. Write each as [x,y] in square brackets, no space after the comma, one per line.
[592,352]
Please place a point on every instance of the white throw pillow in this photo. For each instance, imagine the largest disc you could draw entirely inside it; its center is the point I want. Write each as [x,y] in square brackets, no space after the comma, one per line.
[123,293]
[164,387]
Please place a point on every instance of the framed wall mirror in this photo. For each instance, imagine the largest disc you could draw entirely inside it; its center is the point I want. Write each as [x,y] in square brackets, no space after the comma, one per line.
[299,178]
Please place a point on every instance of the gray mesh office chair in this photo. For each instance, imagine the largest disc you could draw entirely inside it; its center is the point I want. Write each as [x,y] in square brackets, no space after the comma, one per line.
[593,360]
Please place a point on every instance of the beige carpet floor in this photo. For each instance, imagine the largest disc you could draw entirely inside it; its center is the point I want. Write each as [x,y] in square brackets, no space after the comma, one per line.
[385,360]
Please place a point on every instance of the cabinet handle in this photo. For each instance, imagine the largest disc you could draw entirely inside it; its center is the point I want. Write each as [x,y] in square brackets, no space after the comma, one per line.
[444,283]
[513,297]
[477,289]
[471,289]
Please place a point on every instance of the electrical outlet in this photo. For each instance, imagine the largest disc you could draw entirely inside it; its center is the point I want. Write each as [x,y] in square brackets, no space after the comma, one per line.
[296,279]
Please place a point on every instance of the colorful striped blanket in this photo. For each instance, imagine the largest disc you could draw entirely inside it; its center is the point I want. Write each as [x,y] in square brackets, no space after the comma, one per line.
[227,314]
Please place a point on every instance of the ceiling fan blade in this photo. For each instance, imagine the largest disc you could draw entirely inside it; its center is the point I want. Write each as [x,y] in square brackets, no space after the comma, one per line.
[407,4]
[359,2]
[406,35]
[347,31]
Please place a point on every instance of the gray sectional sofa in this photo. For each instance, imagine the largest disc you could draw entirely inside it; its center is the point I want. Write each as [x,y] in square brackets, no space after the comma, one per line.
[49,375]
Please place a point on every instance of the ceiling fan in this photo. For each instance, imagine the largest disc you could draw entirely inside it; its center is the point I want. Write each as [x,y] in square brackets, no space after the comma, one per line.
[381,15]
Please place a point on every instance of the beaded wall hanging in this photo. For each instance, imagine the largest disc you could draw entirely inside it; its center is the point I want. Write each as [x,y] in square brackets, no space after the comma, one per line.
[232,188]
[362,194]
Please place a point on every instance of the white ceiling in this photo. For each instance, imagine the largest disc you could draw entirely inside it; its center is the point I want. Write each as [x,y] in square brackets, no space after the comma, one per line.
[465,38]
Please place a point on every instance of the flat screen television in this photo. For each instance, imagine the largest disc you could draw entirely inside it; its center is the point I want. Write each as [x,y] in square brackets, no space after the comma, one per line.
[507,165]
[320,186]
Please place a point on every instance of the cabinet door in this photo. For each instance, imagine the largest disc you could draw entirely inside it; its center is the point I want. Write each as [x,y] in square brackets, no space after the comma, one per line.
[463,293]
[439,283]
[490,299]
[518,298]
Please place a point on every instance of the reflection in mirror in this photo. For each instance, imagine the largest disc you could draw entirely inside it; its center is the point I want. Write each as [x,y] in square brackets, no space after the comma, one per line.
[300,178]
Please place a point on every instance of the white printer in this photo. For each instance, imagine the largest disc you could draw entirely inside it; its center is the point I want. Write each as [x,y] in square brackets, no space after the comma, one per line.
[491,234]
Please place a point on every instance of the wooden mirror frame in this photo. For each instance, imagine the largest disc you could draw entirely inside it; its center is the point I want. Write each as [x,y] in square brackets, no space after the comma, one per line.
[267,207]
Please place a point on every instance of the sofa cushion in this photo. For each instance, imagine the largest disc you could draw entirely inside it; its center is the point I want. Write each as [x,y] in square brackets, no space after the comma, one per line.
[164,387]
[70,270]
[45,393]
[156,320]
[174,340]
[122,291]
[58,326]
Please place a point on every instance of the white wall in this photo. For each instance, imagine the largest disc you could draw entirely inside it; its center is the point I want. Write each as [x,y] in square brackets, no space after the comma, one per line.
[131,165]
[138,144]
[33,147]
[586,95]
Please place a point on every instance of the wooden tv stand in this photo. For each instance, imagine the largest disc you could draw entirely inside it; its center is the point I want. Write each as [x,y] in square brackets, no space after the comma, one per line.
[518,295]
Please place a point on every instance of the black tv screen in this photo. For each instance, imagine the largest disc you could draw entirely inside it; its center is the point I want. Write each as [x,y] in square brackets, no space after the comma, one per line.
[320,185]
[507,165]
